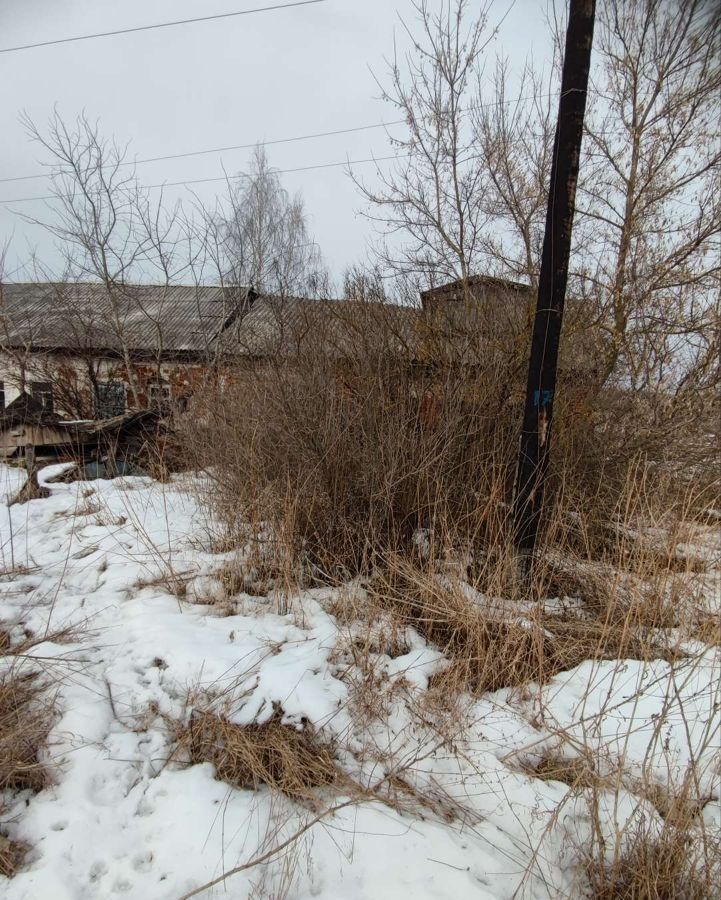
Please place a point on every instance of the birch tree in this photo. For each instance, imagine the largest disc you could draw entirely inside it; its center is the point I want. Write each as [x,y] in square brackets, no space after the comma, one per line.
[267,238]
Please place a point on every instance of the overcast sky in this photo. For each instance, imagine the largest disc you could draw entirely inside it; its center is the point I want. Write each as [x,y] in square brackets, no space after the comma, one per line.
[265,76]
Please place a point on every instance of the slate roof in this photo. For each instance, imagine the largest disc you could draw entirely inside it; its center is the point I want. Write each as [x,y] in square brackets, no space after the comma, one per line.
[189,319]
[75,316]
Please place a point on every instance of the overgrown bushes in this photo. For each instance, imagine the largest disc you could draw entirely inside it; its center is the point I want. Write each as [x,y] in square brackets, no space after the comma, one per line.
[358,436]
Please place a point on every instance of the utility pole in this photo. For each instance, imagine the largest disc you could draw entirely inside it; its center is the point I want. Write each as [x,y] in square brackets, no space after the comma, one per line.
[541,387]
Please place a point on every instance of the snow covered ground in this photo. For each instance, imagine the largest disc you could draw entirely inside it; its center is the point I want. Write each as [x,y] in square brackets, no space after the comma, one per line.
[123,819]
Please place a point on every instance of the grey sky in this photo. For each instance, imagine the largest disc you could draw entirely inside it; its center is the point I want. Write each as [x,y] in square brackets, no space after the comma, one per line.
[234,81]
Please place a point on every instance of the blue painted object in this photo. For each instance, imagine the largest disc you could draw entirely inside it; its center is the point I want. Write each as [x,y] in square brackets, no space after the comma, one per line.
[544,397]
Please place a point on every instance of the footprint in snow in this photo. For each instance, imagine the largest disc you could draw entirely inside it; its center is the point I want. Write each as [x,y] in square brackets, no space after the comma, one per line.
[97,870]
[143,862]
[144,808]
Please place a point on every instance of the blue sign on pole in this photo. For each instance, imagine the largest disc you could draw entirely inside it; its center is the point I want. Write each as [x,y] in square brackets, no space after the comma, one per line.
[542,398]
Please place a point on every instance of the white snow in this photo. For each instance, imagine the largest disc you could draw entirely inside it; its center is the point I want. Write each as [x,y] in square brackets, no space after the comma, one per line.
[122,820]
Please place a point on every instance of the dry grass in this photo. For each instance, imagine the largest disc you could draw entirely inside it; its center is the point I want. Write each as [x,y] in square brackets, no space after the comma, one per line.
[656,867]
[492,644]
[25,721]
[20,645]
[677,858]
[620,595]
[89,508]
[707,629]
[293,762]
[254,574]
[681,808]
[576,772]
[12,854]
[9,573]
[24,725]
[486,651]
[175,583]
[31,490]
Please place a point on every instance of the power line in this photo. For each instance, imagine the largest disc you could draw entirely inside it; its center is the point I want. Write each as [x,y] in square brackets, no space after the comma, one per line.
[164,184]
[288,140]
[230,15]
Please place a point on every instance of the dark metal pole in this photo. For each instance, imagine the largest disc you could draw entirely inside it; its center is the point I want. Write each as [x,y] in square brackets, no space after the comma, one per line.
[540,390]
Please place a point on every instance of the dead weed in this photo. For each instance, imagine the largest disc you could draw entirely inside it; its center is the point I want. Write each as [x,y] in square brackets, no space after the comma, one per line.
[25,720]
[662,867]
[293,762]
[12,854]
[490,647]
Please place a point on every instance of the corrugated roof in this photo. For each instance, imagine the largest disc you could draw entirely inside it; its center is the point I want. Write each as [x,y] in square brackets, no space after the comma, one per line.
[182,318]
[144,318]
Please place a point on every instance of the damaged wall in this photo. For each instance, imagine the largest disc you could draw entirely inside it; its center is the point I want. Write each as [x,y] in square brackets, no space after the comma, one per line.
[78,383]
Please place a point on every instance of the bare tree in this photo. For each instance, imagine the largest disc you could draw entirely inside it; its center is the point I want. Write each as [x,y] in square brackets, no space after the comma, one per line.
[432,200]
[267,240]
[108,229]
[513,131]
[361,282]
[16,354]
[209,251]
[470,193]
[651,196]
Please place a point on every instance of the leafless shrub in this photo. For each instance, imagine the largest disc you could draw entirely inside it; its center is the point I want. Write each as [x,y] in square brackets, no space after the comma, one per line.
[366,427]
[345,444]
[656,866]
[469,188]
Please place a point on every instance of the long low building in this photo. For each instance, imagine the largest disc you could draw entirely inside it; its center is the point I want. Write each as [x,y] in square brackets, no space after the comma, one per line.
[87,350]
[95,351]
